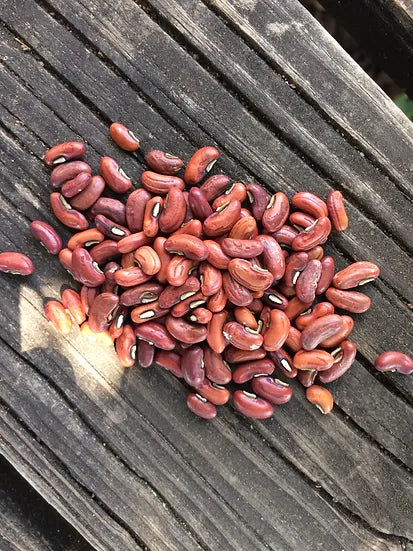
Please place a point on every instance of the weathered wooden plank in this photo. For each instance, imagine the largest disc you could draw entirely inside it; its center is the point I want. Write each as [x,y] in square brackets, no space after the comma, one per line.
[384,28]
[319,460]
[28,522]
[369,340]
[243,137]
[288,113]
[295,44]
[135,422]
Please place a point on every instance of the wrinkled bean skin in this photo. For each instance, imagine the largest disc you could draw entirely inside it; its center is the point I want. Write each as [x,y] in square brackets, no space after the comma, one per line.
[294,265]
[141,294]
[216,369]
[217,302]
[85,238]
[85,269]
[221,221]
[320,330]
[185,331]
[307,281]
[214,186]
[342,364]
[111,208]
[65,214]
[313,236]
[129,277]
[163,163]
[245,228]
[242,337]
[276,213]
[321,397]
[188,245]
[114,176]
[347,324]
[110,228]
[200,164]
[235,356]
[301,220]
[319,310]
[272,256]
[125,346]
[135,209]
[56,314]
[200,207]
[249,275]
[284,363]
[337,211]
[147,259]
[155,333]
[246,371]
[101,311]
[47,236]
[110,285]
[235,292]
[351,301]
[192,227]
[72,302]
[172,295]
[215,336]
[216,255]
[277,331]
[104,251]
[86,198]
[79,183]
[87,296]
[307,377]
[355,275]
[327,274]
[67,151]
[201,315]
[251,406]
[275,391]
[160,184]
[285,236]
[145,354]
[200,406]
[309,203]
[67,171]
[123,137]
[178,269]
[244,316]
[15,263]
[259,200]
[174,210]
[295,307]
[192,365]
[186,306]
[394,361]
[211,279]
[170,361]
[153,209]
[317,359]
[241,248]
[237,191]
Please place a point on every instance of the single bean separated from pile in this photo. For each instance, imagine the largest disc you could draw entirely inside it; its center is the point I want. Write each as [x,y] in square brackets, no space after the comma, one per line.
[219,283]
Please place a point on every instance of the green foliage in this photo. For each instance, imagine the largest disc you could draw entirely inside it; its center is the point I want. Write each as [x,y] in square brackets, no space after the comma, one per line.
[405,104]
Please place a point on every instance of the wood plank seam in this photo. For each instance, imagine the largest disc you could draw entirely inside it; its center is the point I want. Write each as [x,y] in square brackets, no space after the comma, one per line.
[212,5]
[256,113]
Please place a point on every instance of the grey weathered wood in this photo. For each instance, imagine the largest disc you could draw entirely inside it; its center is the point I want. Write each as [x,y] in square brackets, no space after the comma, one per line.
[123,442]
[28,522]
[293,42]
[384,28]
[243,137]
